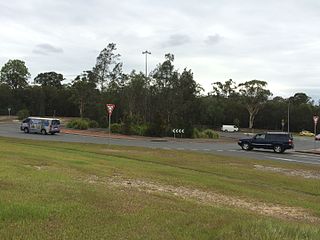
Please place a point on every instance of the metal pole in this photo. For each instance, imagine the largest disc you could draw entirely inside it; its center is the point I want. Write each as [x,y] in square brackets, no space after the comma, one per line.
[315,133]
[109,128]
[289,116]
[146,62]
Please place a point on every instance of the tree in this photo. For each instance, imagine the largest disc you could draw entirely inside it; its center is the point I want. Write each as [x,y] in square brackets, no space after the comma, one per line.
[15,74]
[84,91]
[52,79]
[224,90]
[254,95]
[107,66]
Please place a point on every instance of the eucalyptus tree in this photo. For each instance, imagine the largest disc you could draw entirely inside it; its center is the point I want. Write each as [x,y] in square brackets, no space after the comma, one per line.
[15,74]
[84,91]
[107,65]
[254,95]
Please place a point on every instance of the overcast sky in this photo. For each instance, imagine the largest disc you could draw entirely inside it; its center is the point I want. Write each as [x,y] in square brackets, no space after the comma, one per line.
[277,41]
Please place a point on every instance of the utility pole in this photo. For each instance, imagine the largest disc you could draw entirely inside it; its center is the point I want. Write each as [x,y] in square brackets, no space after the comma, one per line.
[146,53]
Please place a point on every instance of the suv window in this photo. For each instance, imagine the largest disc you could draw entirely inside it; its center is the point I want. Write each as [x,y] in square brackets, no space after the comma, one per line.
[260,136]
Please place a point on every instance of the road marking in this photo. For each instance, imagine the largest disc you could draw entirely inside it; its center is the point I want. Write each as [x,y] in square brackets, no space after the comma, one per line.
[307,156]
[291,160]
[166,148]
[219,150]
[180,148]
[205,149]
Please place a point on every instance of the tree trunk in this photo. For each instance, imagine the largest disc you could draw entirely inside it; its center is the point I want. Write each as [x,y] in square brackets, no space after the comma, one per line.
[251,119]
[81,108]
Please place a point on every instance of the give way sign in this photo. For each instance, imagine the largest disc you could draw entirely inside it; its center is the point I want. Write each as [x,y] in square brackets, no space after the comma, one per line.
[110,108]
[315,119]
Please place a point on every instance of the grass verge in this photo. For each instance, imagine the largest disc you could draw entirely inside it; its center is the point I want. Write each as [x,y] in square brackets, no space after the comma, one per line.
[52,190]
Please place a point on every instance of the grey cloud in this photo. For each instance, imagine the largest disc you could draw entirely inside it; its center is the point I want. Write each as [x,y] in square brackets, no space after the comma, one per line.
[46,49]
[213,39]
[177,40]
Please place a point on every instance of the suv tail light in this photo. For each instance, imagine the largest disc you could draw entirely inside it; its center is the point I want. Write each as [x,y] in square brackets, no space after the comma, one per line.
[290,141]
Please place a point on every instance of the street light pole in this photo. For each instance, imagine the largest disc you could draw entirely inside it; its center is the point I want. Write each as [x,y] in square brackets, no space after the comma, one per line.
[146,53]
[288,115]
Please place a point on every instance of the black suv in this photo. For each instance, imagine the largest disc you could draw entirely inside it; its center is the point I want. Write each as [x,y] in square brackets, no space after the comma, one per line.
[278,141]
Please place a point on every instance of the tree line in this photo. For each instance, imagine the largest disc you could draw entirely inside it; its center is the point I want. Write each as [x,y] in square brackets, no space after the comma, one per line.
[155,104]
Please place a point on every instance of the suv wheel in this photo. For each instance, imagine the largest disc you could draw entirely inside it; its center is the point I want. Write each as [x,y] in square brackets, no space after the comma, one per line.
[26,130]
[246,146]
[278,149]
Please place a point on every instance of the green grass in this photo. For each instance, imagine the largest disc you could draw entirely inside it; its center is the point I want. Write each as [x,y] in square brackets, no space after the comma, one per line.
[46,193]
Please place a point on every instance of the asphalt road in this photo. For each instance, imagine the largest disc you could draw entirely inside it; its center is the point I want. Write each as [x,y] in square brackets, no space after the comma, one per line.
[228,149]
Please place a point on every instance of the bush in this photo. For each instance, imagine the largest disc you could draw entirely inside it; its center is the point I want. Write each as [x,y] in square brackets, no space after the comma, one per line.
[116,128]
[211,134]
[81,124]
[208,133]
[22,114]
[140,130]
[93,124]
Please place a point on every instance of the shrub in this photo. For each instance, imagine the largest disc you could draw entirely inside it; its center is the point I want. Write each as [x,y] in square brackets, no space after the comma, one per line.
[22,114]
[211,134]
[93,124]
[208,133]
[116,128]
[81,124]
[140,130]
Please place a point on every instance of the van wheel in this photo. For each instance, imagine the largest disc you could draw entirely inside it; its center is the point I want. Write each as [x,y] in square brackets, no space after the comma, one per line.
[26,130]
[246,146]
[43,132]
[278,149]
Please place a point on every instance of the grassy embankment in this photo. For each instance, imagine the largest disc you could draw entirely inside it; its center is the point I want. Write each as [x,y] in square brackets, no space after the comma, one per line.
[84,191]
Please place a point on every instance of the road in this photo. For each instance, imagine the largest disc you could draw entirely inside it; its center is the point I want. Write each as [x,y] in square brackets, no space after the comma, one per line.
[227,149]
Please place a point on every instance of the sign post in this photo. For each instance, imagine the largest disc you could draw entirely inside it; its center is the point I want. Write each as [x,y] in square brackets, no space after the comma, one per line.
[110,108]
[9,111]
[315,121]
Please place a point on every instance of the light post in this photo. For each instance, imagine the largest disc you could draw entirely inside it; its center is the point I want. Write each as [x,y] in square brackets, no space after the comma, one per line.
[9,111]
[146,53]
[289,115]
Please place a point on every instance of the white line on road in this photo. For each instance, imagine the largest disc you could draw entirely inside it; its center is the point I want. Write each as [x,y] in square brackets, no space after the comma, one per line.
[291,160]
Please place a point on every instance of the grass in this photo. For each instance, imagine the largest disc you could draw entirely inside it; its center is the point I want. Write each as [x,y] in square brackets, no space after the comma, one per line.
[52,190]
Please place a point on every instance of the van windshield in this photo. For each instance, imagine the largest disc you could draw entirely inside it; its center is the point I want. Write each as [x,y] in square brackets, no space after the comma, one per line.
[55,122]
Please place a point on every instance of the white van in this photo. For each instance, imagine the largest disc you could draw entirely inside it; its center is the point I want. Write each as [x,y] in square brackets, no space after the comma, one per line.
[229,128]
[40,125]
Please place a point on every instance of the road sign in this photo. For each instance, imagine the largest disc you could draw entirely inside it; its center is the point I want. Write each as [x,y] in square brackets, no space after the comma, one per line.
[315,119]
[110,108]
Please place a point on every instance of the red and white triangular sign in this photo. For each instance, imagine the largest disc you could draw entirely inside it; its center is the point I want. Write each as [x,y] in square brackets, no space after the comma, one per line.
[315,119]
[110,108]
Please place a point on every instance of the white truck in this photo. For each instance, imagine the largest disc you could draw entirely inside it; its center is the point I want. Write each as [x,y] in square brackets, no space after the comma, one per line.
[229,128]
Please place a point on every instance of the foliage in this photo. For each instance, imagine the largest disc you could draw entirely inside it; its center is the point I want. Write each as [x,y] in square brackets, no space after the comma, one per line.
[151,105]
[81,124]
[107,67]
[52,79]
[23,113]
[116,127]
[93,124]
[254,95]
[15,74]
[207,133]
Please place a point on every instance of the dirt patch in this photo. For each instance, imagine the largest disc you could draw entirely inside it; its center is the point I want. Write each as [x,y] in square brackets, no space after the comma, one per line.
[290,172]
[208,198]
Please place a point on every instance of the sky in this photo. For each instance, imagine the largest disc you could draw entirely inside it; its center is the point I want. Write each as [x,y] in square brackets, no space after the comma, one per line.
[277,41]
